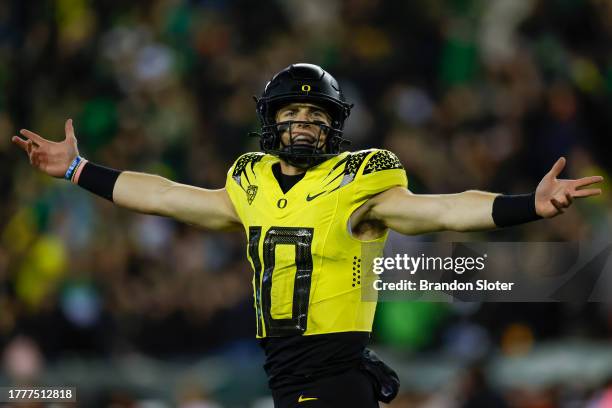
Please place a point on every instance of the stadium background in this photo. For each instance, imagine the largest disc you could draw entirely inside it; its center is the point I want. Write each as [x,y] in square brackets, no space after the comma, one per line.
[140,311]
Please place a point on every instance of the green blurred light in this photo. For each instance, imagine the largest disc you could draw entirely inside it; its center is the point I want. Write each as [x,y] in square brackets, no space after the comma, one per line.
[98,122]
[411,325]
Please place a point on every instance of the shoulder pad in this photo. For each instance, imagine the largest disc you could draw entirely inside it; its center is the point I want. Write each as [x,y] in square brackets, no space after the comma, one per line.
[355,159]
[346,170]
[352,162]
[382,160]
[244,161]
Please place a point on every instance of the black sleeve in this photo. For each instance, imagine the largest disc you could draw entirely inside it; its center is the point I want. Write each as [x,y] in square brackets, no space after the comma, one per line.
[99,180]
[509,210]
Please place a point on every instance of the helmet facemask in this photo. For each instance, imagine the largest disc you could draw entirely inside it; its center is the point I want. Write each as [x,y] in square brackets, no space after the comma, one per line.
[309,142]
[302,83]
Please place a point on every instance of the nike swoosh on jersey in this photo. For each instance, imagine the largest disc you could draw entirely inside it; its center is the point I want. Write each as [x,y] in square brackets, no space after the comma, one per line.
[310,198]
[304,399]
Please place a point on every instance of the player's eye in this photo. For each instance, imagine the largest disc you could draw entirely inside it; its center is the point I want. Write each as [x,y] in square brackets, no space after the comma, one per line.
[319,117]
[288,113]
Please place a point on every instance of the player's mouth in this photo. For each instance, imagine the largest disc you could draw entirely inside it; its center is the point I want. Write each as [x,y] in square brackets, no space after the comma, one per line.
[303,138]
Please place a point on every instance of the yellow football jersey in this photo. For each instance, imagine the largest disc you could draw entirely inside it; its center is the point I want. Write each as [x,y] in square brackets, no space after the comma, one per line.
[307,265]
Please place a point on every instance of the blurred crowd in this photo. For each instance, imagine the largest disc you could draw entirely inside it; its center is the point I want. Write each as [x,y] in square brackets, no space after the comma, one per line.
[470,94]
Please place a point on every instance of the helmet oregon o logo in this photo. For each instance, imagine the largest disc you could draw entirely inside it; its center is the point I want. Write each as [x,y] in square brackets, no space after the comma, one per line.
[305,88]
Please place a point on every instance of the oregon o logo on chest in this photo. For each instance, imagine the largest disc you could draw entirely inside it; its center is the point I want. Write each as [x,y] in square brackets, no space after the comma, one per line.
[282,203]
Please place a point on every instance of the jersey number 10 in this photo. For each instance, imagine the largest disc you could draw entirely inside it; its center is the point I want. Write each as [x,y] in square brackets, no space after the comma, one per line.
[301,238]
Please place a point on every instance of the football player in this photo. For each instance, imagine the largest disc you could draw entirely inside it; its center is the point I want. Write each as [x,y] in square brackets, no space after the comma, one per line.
[314,218]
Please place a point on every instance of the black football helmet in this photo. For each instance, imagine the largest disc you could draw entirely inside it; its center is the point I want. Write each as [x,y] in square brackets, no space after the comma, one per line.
[302,83]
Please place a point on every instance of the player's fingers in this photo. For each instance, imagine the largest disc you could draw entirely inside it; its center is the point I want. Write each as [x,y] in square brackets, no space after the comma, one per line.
[69,130]
[569,198]
[30,150]
[587,181]
[557,205]
[557,168]
[33,152]
[20,142]
[561,198]
[33,136]
[587,192]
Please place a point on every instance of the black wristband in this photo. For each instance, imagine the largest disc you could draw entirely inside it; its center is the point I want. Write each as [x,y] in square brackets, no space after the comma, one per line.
[98,179]
[509,210]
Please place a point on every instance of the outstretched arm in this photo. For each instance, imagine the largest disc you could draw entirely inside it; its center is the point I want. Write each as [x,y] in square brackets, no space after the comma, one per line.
[151,194]
[144,193]
[409,213]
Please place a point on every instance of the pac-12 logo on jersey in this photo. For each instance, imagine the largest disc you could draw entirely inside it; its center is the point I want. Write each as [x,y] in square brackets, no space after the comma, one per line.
[251,192]
[245,166]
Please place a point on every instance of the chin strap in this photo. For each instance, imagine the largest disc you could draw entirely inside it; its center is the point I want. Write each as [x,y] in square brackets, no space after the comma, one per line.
[302,157]
[303,160]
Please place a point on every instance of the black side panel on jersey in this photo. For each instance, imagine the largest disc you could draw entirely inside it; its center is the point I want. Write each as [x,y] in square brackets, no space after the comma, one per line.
[254,237]
[296,359]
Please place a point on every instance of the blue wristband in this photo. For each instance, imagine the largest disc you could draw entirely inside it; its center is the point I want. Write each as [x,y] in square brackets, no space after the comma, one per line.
[73,166]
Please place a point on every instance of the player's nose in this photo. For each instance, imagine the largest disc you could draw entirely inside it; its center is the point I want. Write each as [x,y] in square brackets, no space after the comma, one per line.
[302,115]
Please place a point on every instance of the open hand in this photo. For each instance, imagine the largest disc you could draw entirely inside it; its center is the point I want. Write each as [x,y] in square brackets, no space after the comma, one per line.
[553,195]
[52,158]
